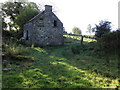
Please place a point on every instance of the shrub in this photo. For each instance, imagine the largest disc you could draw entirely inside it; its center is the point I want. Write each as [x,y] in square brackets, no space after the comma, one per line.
[102,28]
[75,49]
[12,49]
[110,42]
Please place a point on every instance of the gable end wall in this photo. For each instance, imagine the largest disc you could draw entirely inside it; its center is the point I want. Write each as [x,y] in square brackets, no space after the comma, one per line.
[44,35]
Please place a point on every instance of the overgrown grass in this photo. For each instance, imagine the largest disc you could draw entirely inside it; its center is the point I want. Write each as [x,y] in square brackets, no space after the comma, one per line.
[15,49]
[61,67]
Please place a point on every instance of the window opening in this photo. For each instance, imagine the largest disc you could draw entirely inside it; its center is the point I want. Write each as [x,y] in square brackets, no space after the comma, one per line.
[27,35]
[55,23]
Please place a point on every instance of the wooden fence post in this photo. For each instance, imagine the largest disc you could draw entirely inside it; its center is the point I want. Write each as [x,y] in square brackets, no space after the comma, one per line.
[82,40]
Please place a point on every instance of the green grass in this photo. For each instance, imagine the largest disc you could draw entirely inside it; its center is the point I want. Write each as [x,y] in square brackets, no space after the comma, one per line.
[59,67]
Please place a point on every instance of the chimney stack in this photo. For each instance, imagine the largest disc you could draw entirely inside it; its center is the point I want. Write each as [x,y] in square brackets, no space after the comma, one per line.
[48,8]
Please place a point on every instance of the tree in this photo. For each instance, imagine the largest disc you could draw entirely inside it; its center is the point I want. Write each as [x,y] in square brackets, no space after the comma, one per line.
[19,13]
[76,30]
[25,16]
[10,10]
[4,25]
[102,28]
[26,13]
[89,29]
[110,43]
[14,9]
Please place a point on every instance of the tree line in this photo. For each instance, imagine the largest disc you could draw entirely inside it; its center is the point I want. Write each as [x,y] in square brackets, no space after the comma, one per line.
[107,39]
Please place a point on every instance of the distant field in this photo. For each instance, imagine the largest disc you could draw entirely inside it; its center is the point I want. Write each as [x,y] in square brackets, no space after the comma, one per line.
[77,39]
[60,67]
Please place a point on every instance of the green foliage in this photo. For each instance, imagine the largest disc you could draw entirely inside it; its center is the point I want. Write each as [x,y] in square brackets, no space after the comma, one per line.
[76,30]
[13,49]
[9,34]
[110,42]
[102,28]
[11,9]
[19,13]
[25,15]
[4,25]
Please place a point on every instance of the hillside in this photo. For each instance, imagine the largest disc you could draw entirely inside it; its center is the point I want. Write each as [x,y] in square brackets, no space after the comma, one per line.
[68,66]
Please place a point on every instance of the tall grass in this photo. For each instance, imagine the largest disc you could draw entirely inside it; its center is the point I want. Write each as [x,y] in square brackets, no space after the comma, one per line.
[15,49]
[12,48]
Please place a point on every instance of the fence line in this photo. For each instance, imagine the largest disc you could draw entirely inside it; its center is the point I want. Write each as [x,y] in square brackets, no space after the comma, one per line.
[85,36]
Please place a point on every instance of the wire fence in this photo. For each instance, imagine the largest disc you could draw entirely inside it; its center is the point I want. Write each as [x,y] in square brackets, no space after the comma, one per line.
[84,36]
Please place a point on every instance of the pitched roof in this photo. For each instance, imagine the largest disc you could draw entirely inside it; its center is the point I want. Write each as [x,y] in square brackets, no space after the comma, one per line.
[36,16]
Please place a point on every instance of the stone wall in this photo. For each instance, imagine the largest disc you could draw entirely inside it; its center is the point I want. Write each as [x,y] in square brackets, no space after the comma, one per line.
[45,29]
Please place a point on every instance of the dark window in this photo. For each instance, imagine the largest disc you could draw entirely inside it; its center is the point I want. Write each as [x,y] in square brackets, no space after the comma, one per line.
[27,35]
[41,18]
[40,23]
[55,23]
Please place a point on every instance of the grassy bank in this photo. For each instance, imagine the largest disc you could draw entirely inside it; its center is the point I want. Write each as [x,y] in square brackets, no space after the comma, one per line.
[68,66]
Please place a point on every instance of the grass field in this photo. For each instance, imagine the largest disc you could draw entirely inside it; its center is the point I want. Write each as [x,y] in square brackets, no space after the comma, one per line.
[59,67]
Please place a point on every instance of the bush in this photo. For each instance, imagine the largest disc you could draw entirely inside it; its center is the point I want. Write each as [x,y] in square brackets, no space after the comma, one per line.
[110,42]
[13,49]
[76,49]
[108,45]
[102,28]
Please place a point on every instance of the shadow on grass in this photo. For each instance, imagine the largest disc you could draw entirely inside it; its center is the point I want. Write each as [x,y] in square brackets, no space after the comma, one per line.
[45,73]
[53,70]
[48,75]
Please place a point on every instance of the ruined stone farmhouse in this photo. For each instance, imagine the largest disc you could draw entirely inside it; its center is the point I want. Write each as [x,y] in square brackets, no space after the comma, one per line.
[44,29]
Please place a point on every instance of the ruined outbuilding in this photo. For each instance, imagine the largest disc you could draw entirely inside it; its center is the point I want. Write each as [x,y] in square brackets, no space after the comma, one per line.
[44,29]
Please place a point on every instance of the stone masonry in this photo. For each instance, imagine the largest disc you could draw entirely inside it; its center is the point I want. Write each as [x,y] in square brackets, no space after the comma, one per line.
[44,29]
